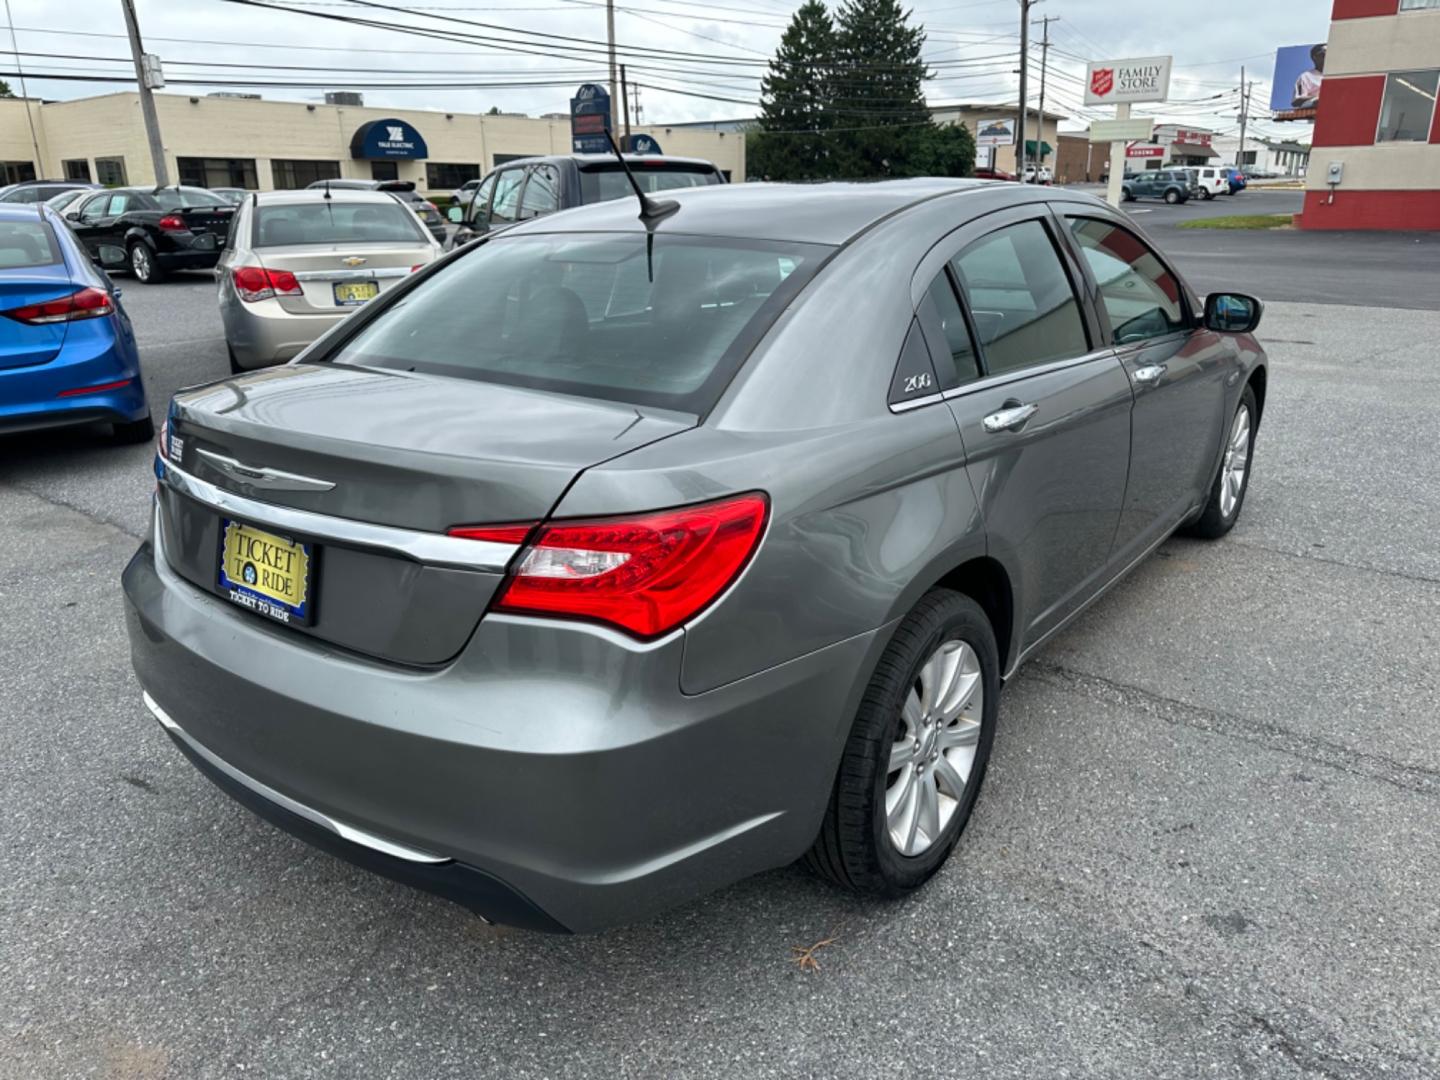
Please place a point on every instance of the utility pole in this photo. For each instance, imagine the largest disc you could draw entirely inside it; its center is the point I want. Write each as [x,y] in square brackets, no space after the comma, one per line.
[610,33]
[1244,117]
[625,102]
[1044,65]
[1025,6]
[147,99]
[24,93]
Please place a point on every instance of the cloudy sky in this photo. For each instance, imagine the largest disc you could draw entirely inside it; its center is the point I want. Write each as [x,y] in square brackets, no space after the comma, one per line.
[692,59]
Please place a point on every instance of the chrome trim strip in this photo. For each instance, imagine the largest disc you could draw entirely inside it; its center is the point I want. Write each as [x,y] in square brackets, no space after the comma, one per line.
[917,403]
[435,549]
[991,382]
[353,275]
[261,476]
[309,813]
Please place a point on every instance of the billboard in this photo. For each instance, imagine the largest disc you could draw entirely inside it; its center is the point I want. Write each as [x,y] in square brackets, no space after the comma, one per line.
[1299,70]
[1125,82]
[590,120]
[995,133]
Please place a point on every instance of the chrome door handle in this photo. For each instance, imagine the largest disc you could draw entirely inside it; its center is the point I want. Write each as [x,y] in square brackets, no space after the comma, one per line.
[1009,419]
[1150,374]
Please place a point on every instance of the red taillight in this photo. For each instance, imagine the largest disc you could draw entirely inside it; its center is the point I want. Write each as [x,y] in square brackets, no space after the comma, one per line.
[646,574]
[173,223]
[495,534]
[257,283]
[88,303]
[417,266]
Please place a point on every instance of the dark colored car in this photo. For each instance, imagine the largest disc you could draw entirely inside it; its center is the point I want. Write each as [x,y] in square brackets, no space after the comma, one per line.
[404,190]
[152,231]
[67,350]
[33,191]
[531,187]
[606,561]
[1172,185]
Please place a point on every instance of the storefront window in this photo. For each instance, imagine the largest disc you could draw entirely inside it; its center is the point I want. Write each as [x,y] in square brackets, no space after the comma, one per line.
[384,170]
[217,172]
[290,175]
[1409,106]
[110,171]
[1418,5]
[442,174]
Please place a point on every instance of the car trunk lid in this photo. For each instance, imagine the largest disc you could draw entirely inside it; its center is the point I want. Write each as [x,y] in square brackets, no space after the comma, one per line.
[319,268]
[23,344]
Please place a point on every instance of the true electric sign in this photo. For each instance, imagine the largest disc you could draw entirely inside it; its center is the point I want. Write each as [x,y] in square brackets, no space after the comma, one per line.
[1125,82]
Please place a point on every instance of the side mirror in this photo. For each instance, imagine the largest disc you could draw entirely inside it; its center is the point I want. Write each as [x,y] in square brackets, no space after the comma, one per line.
[456,214]
[1232,313]
[73,215]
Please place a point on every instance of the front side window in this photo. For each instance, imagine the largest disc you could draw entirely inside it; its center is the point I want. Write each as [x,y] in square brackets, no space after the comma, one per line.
[506,203]
[27,243]
[593,314]
[480,201]
[1408,109]
[95,209]
[1142,299]
[333,222]
[1020,299]
[542,193]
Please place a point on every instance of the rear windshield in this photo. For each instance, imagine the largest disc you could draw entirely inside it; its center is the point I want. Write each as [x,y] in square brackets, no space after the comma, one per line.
[27,243]
[608,182]
[325,222]
[579,313]
[187,197]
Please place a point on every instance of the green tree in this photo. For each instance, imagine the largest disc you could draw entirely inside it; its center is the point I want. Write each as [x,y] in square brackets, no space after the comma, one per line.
[5,90]
[791,140]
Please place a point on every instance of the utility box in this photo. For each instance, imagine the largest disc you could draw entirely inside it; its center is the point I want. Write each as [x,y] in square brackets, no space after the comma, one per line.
[1337,173]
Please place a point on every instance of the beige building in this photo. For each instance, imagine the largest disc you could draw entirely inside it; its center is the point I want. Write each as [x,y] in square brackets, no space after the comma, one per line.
[972,114]
[264,145]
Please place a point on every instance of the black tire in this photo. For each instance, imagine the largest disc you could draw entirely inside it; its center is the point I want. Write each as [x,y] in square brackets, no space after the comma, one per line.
[1213,521]
[134,431]
[144,265]
[854,849]
[1127,196]
[235,368]
[1172,196]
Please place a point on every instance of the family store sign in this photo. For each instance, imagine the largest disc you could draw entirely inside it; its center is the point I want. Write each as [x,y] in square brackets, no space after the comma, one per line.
[1125,82]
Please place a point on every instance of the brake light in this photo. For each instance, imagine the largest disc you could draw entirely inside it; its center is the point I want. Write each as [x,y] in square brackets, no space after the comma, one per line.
[257,283]
[90,303]
[173,223]
[417,266]
[645,574]
[494,534]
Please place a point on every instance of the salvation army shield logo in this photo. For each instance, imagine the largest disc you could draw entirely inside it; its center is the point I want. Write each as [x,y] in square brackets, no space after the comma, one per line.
[1102,81]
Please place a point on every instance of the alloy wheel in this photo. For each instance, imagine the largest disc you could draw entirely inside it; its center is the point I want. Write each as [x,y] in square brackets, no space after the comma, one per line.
[934,749]
[140,261]
[1236,464]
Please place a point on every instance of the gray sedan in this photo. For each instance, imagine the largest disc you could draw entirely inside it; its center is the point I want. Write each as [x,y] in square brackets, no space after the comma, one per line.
[607,561]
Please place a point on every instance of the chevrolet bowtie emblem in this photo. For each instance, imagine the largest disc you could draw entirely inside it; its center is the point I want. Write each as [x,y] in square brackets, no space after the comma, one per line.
[354,260]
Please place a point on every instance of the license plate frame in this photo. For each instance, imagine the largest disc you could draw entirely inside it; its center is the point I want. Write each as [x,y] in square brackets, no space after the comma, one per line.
[249,592]
[345,292]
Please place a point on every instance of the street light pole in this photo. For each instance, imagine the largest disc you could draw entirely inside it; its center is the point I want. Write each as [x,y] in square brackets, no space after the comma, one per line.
[1044,65]
[1025,6]
[610,33]
[147,99]
[1244,117]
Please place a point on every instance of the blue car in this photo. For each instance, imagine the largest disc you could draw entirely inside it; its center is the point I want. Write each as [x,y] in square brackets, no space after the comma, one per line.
[67,350]
[1236,179]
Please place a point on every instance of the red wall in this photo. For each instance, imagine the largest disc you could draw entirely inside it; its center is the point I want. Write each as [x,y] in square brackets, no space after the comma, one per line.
[1349,111]
[1435,131]
[1360,9]
[1384,210]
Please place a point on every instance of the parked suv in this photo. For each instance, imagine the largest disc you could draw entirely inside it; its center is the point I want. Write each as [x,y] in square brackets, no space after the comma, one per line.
[528,188]
[1172,185]
[1209,181]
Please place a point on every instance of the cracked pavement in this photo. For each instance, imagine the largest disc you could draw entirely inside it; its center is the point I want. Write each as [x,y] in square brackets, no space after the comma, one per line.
[1208,844]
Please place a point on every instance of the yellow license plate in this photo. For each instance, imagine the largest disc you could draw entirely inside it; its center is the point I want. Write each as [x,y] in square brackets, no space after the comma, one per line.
[266,573]
[350,293]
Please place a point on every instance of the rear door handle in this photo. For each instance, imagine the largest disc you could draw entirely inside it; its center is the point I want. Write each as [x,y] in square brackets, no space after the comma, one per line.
[1010,418]
[1150,374]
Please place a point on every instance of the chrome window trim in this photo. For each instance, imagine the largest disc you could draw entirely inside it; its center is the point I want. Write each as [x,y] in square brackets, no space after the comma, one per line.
[309,813]
[916,403]
[352,275]
[434,549]
[991,382]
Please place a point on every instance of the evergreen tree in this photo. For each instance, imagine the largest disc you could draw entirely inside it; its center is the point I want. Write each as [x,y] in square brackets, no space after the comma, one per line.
[5,90]
[791,140]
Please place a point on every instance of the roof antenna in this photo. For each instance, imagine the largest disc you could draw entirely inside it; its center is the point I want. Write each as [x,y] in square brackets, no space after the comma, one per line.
[652,211]
[327,187]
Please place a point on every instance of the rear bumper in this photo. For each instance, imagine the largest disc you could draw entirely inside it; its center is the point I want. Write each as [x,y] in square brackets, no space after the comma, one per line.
[559,762]
[263,333]
[185,259]
[93,355]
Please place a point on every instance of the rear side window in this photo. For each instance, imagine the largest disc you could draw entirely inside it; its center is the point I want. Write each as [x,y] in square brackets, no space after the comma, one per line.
[606,183]
[1021,299]
[593,315]
[327,222]
[1141,298]
[27,243]
[950,341]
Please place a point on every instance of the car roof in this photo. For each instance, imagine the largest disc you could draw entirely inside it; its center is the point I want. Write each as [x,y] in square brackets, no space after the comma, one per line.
[19,211]
[603,159]
[305,196]
[830,213]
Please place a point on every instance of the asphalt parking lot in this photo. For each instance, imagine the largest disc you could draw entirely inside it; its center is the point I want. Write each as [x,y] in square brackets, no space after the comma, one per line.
[1208,844]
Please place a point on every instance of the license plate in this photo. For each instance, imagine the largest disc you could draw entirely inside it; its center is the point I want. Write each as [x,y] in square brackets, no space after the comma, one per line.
[271,575]
[351,293]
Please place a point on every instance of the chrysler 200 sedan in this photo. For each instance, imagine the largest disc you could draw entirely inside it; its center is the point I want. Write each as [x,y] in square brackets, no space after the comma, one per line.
[609,560]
